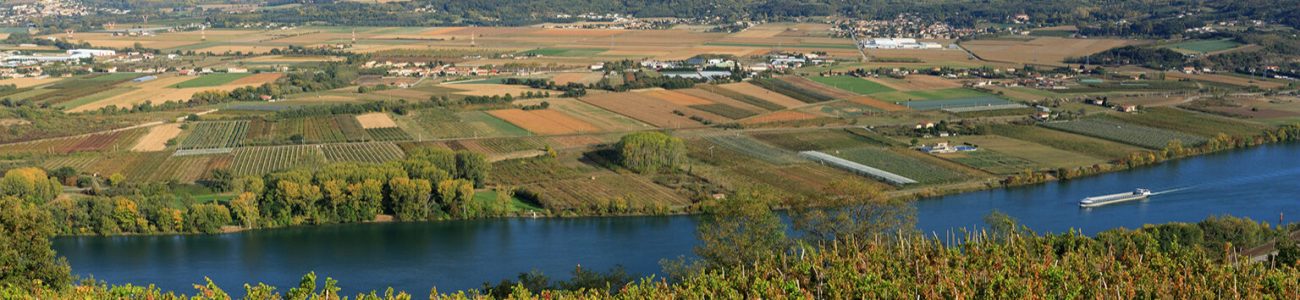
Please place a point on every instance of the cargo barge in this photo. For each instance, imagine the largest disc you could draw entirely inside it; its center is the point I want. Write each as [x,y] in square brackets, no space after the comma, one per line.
[1137,194]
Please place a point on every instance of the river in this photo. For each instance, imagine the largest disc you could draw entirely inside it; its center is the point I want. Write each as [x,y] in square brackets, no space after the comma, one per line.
[1261,183]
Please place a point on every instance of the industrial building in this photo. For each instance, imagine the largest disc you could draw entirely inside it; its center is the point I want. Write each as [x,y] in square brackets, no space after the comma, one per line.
[898,43]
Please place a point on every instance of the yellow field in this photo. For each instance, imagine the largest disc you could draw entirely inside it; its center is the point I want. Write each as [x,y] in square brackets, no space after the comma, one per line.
[28,81]
[584,77]
[476,89]
[156,139]
[159,90]
[376,120]
[1043,50]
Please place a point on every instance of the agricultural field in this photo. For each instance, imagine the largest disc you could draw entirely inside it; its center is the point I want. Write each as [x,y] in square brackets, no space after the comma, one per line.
[157,138]
[427,124]
[214,134]
[1228,79]
[852,84]
[567,52]
[595,189]
[256,161]
[821,139]
[916,83]
[803,91]
[1050,51]
[897,163]
[1037,156]
[362,152]
[375,120]
[992,161]
[189,168]
[111,141]
[1133,134]
[649,109]
[758,96]
[1094,147]
[70,89]
[210,80]
[780,116]
[603,119]
[1190,122]
[1203,46]
[754,148]
[544,121]
[388,134]
[728,167]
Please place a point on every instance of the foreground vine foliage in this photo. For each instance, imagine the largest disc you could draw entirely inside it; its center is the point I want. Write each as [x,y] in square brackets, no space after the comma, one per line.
[1124,264]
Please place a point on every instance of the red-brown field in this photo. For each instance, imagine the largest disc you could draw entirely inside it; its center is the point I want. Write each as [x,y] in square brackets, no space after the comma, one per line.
[649,109]
[544,121]
[780,116]
[761,93]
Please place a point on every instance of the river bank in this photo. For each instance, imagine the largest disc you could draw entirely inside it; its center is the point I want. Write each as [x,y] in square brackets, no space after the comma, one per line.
[1255,182]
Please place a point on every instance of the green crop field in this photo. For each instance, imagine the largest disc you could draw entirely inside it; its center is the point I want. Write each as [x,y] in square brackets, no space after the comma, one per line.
[216,134]
[1204,46]
[1066,141]
[941,94]
[991,161]
[791,90]
[800,45]
[1191,122]
[754,148]
[728,111]
[388,134]
[813,140]
[1133,134]
[755,101]
[362,152]
[566,52]
[509,145]
[256,161]
[210,80]
[853,84]
[896,163]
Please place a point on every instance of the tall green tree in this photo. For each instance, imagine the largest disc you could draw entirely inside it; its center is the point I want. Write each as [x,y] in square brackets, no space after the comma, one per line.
[741,229]
[26,258]
[411,198]
[473,166]
[851,209]
[30,184]
[650,152]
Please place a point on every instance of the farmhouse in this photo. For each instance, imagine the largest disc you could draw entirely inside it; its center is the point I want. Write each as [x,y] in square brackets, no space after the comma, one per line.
[944,147]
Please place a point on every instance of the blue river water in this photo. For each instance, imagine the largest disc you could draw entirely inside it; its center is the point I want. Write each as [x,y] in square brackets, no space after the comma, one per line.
[1262,183]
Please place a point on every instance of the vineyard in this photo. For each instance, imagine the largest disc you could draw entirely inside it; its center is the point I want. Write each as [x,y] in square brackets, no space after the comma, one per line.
[186,169]
[1133,134]
[388,134]
[256,161]
[213,135]
[362,153]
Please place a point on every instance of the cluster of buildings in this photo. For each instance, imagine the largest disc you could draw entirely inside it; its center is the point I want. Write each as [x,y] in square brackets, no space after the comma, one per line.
[902,25]
[11,59]
[898,43]
[428,69]
[19,13]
